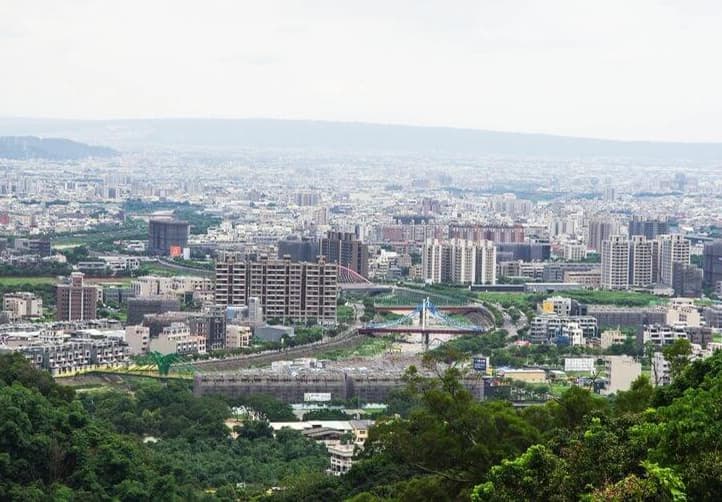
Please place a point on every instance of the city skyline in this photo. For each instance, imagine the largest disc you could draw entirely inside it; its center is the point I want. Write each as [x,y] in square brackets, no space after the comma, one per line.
[489,303]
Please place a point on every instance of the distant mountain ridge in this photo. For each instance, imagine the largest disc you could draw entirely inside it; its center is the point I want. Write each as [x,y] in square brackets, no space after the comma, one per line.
[236,134]
[33,147]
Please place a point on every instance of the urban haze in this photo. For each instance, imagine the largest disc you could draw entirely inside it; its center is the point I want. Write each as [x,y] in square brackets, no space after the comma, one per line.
[420,251]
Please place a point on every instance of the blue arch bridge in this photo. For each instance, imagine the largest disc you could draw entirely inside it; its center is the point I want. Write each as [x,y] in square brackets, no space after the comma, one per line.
[425,319]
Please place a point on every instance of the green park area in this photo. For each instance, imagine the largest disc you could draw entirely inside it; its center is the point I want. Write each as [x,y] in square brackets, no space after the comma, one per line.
[102,238]
[525,301]
[33,281]
[345,314]
[155,268]
[409,296]
[42,286]
[522,301]
[368,348]
[194,214]
[619,298]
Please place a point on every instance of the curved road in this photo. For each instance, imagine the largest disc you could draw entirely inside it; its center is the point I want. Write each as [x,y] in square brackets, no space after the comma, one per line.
[347,338]
[185,268]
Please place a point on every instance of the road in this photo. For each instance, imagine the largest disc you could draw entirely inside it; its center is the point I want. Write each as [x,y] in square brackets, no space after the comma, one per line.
[185,268]
[264,358]
[345,339]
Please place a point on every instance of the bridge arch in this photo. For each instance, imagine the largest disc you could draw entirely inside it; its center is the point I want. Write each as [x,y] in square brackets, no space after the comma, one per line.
[349,276]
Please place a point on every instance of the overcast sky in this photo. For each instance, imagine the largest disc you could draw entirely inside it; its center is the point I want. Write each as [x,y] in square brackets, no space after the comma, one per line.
[627,69]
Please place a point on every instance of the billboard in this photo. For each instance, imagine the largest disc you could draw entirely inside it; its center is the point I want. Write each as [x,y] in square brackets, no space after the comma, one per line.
[579,364]
[480,363]
[315,397]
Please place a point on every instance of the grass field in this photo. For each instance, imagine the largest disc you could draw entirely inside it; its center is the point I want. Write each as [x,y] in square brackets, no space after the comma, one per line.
[521,301]
[34,281]
[370,347]
[125,281]
[345,314]
[67,245]
[158,269]
[524,301]
[132,229]
[415,297]
[17,281]
[558,388]
[621,298]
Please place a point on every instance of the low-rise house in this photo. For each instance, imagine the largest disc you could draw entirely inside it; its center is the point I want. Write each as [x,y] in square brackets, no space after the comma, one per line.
[177,339]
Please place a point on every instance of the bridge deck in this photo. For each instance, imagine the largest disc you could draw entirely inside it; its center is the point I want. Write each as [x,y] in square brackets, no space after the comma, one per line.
[418,329]
[455,309]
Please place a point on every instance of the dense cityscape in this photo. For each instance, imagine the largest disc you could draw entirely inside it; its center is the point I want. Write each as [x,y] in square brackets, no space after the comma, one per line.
[375,251]
[255,280]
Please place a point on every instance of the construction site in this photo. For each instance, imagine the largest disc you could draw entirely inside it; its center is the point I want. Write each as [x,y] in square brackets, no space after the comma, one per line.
[412,330]
[364,384]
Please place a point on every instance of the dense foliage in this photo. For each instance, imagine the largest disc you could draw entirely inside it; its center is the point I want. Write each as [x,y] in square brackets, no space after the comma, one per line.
[527,302]
[268,406]
[192,213]
[645,444]
[102,237]
[326,414]
[495,345]
[45,290]
[55,445]
[34,269]
[436,443]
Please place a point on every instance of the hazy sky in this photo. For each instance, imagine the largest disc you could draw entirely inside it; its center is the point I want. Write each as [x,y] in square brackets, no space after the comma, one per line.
[629,69]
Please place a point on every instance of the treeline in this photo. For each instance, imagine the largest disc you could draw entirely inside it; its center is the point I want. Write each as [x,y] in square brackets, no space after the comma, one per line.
[156,443]
[35,269]
[192,213]
[45,291]
[437,443]
[496,346]
[646,444]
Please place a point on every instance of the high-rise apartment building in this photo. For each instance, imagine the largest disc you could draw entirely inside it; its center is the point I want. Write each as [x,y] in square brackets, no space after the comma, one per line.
[485,263]
[524,251]
[343,248]
[600,231]
[672,249]
[574,252]
[280,289]
[687,280]
[459,261]
[563,226]
[230,280]
[210,324]
[75,301]
[615,262]
[432,260]
[463,262]
[641,256]
[649,228]
[298,249]
[306,198]
[33,246]
[166,236]
[479,232]
[255,310]
[655,260]
[140,306]
[712,263]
